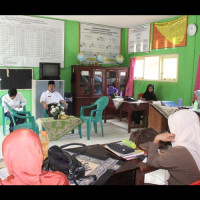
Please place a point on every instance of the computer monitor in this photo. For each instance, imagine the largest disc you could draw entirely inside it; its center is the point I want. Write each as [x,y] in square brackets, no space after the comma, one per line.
[49,71]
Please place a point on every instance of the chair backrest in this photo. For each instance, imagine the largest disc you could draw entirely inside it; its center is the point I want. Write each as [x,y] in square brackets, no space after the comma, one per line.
[139,96]
[101,103]
[13,113]
[29,119]
[3,115]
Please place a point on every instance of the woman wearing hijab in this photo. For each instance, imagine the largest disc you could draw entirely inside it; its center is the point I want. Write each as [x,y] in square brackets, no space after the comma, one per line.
[149,95]
[182,160]
[23,157]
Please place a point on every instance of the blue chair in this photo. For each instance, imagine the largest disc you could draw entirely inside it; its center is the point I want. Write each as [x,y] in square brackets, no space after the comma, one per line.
[5,118]
[29,119]
[95,115]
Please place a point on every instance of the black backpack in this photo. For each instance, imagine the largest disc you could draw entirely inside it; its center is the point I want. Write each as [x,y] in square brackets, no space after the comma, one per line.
[60,160]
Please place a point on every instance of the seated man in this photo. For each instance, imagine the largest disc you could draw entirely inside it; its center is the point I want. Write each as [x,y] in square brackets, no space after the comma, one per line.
[51,97]
[16,101]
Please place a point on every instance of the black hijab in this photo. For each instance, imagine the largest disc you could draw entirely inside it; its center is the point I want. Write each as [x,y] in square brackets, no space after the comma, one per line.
[149,96]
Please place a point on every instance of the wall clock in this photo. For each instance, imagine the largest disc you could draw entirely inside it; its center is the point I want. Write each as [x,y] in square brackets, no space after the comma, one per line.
[192,29]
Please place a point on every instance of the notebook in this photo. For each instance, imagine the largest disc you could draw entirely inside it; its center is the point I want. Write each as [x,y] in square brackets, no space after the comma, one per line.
[169,103]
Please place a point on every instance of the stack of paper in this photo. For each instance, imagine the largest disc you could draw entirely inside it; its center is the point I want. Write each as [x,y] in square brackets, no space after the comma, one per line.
[128,156]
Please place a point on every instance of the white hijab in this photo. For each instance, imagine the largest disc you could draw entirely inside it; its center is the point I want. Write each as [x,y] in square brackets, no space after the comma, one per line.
[186,126]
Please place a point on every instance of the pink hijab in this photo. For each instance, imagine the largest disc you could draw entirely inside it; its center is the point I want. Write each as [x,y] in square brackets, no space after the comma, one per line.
[23,156]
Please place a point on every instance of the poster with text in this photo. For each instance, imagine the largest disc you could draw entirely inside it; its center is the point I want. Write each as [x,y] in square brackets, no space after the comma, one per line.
[26,41]
[98,39]
[139,38]
[170,34]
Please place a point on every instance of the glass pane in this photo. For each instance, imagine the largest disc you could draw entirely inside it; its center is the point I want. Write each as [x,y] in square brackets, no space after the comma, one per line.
[122,78]
[170,68]
[151,68]
[84,82]
[138,71]
[98,82]
[111,79]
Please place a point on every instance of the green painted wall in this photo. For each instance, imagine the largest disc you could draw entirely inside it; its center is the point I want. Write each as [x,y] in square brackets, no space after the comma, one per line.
[188,60]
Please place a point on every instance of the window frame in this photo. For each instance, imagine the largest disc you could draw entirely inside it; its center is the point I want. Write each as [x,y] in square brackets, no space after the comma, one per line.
[160,67]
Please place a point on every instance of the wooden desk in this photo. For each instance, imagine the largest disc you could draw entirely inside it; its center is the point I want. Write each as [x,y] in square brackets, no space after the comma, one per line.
[156,120]
[58,128]
[130,107]
[131,172]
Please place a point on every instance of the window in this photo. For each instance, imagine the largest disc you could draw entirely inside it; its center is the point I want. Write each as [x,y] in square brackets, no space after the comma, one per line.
[158,68]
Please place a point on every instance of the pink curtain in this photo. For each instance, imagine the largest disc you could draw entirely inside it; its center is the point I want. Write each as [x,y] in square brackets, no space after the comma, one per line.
[130,84]
[197,83]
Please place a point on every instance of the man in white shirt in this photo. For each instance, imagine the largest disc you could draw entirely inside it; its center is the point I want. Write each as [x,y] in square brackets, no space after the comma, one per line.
[51,97]
[16,101]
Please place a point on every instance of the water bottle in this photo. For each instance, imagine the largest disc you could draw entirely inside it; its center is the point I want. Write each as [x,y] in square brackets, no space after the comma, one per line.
[179,102]
[45,143]
[120,94]
[195,105]
[129,143]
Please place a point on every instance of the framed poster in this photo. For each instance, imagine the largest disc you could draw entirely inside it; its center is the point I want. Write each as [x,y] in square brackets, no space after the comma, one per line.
[98,39]
[170,34]
[139,38]
[26,41]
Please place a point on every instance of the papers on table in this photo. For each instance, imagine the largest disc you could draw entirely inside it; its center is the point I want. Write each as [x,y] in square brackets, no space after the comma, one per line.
[128,156]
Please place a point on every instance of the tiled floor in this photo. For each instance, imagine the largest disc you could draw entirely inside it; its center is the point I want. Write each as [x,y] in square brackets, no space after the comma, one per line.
[114,130]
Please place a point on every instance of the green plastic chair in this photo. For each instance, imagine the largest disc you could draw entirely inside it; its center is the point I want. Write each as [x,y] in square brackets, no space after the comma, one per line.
[95,115]
[29,120]
[5,118]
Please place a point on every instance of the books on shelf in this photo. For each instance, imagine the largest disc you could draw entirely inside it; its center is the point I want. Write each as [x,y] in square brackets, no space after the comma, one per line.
[128,156]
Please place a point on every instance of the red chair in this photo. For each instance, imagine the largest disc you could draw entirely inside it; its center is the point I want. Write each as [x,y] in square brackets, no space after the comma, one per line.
[196,183]
[139,96]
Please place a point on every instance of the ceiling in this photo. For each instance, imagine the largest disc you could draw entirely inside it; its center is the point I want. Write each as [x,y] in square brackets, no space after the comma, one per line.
[122,21]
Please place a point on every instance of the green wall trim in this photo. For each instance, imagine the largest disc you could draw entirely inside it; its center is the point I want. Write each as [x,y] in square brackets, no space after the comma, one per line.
[188,60]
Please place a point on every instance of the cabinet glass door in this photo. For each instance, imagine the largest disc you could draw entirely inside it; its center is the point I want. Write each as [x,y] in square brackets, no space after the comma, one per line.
[111,79]
[98,82]
[122,81]
[84,83]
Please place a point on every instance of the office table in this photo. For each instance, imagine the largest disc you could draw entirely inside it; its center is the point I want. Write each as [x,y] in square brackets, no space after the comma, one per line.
[130,107]
[119,105]
[131,172]
[58,128]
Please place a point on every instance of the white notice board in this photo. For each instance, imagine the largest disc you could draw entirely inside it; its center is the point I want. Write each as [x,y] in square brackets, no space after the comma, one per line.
[139,38]
[25,41]
[100,39]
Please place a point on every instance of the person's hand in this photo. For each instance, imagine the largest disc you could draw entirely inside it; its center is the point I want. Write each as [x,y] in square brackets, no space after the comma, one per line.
[66,106]
[165,137]
[20,106]
[45,106]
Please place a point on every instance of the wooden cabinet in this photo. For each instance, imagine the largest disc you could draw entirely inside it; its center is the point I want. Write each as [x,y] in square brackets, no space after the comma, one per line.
[91,82]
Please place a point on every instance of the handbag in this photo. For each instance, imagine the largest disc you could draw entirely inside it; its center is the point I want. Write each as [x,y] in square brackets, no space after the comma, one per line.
[60,160]
[147,135]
